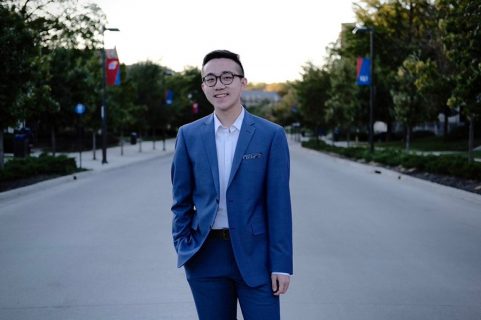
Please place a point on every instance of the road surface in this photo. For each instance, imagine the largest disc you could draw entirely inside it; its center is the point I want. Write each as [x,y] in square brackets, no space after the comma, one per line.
[367,246]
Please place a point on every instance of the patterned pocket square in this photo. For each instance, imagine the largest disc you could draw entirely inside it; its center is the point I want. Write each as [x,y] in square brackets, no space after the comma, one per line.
[252,156]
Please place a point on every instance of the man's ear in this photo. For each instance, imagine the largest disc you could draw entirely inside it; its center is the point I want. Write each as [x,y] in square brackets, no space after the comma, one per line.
[244,83]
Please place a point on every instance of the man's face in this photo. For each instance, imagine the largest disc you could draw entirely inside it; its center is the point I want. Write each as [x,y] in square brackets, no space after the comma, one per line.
[224,97]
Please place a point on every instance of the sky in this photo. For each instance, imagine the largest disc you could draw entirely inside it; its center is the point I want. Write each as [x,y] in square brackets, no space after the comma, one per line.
[273,38]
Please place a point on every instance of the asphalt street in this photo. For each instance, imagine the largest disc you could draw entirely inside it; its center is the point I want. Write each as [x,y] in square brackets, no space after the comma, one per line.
[367,246]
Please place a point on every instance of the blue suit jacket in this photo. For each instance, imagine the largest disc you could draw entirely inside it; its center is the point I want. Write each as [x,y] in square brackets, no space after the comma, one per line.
[258,197]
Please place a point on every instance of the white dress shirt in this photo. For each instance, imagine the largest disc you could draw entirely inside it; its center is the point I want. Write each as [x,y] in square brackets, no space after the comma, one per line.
[226,142]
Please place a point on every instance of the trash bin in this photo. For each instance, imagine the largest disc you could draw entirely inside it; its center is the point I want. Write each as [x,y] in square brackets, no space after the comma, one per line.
[133,138]
[20,148]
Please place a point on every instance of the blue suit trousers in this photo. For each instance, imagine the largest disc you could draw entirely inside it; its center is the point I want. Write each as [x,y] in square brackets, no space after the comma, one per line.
[217,285]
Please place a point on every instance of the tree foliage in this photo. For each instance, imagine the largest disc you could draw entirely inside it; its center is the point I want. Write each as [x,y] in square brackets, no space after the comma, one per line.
[342,107]
[313,92]
[461,27]
[282,112]
[17,54]
[411,106]
[124,113]
[401,28]
[54,44]
[148,82]
[427,61]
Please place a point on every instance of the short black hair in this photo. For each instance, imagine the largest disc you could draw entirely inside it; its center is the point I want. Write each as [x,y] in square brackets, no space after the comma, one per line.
[223,54]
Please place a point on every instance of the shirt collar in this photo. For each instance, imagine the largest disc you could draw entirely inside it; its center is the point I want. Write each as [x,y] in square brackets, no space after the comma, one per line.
[237,123]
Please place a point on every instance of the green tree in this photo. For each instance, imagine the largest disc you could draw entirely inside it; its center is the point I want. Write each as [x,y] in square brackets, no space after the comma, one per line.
[74,79]
[66,37]
[62,23]
[401,28]
[17,52]
[282,112]
[461,25]
[410,105]
[148,81]
[187,90]
[124,113]
[313,92]
[342,107]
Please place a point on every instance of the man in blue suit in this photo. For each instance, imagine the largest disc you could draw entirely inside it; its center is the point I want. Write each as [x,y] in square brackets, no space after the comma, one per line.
[232,225]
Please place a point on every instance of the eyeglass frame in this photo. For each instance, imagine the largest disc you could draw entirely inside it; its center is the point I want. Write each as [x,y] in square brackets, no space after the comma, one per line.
[220,78]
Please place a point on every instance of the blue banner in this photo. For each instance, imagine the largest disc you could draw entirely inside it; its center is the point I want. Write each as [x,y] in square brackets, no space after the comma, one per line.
[169,97]
[117,79]
[363,72]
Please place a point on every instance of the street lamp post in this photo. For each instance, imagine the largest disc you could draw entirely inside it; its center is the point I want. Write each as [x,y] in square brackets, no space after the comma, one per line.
[363,29]
[165,73]
[103,111]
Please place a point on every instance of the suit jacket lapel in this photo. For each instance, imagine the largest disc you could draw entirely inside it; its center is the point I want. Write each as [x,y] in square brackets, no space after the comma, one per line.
[245,136]
[208,137]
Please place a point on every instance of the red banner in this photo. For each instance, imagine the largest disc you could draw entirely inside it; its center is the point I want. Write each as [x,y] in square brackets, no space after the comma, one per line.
[112,67]
[195,108]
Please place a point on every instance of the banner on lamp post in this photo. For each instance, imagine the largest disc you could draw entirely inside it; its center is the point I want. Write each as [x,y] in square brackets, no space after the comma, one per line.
[112,67]
[195,108]
[169,97]
[363,72]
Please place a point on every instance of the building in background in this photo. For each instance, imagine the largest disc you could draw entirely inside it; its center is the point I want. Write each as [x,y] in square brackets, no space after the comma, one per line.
[259,98]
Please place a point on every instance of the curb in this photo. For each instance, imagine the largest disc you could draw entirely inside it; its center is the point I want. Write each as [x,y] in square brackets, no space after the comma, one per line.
[403,178]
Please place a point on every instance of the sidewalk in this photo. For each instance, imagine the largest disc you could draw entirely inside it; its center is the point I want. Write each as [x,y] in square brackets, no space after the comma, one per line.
[131,154]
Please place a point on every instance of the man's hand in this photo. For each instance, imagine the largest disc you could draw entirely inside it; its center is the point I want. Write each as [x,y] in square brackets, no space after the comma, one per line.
[280,283]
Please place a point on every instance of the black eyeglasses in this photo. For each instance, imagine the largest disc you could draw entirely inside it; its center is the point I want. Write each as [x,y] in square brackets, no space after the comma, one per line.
[225,77]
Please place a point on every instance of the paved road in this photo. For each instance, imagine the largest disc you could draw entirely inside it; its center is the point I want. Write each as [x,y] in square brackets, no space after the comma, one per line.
[373,246]
[367,246]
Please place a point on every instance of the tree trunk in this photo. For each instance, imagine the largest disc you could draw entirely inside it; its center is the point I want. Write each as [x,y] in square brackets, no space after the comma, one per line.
[94,144]
[471,140]
[163,138]
[2,154]
[348,137]
[153,138]
[446,124]
[388,131]
[408,137]
[121,142]
[53,140]
[140,141]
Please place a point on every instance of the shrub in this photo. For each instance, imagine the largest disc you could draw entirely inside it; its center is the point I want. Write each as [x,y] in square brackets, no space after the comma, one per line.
[387,157]
[32,166]
[457,166]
